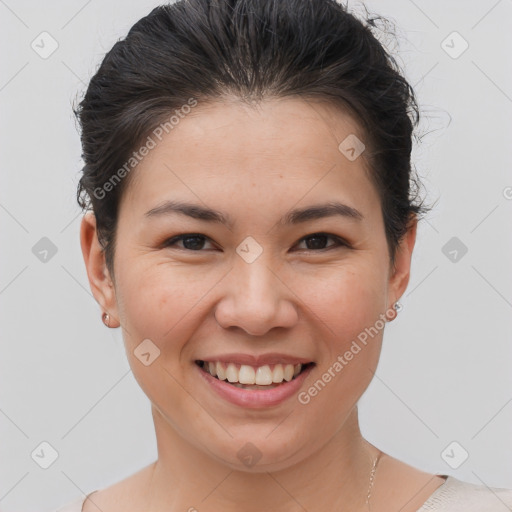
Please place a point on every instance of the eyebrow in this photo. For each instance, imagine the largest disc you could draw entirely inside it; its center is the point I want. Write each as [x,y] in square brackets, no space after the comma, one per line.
[296,216]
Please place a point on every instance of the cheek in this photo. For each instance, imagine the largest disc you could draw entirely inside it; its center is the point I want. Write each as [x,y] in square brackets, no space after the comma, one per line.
[157,303]
[350,298]
[154,299]
[350,305]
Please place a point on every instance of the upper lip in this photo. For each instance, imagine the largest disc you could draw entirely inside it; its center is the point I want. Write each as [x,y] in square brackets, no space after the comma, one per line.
[256,361]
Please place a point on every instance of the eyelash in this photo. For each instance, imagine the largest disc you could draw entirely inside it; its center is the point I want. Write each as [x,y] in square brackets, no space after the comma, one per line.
[169,243]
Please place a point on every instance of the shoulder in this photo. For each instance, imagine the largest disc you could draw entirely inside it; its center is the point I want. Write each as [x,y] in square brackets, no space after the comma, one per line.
[114,497]
[459,496]
[75,505]
[125,495]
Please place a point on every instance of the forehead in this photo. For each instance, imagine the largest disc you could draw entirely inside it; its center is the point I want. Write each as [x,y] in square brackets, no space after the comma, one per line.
[282,146]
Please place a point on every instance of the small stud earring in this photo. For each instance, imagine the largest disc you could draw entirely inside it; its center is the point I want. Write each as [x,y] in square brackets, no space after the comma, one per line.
[397,307]
[106,319]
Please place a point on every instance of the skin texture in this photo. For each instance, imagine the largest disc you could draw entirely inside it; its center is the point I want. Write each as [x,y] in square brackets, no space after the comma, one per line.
[254,164]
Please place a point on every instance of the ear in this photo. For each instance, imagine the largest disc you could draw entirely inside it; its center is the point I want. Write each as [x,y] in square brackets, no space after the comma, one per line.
[101,284]
[401,270]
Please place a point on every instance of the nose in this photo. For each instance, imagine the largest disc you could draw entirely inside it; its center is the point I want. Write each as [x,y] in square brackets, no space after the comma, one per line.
[256,299]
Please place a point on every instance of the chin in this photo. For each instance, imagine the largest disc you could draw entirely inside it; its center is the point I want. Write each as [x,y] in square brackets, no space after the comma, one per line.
[261,452]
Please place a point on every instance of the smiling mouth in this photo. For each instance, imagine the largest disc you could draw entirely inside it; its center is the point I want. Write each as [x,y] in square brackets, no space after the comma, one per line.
[249,377]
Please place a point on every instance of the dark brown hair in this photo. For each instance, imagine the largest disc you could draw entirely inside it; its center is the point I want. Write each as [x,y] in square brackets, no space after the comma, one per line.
[252,50]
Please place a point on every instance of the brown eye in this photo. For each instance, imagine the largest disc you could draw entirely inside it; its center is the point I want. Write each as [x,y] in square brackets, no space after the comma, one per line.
[190,241]
[317,241]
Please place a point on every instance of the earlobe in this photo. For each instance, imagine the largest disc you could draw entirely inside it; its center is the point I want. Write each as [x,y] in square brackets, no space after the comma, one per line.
[400,271]
[100,281]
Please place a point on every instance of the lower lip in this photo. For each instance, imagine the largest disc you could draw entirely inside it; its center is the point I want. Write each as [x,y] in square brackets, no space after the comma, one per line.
[255,398]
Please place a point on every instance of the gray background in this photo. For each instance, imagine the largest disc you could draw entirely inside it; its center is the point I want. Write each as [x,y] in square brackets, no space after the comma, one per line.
[445,372]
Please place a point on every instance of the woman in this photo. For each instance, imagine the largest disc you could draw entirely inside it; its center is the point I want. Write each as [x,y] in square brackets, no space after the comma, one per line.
[247,168]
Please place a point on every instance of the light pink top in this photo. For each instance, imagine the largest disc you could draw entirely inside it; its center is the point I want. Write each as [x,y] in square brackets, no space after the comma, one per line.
[452,496]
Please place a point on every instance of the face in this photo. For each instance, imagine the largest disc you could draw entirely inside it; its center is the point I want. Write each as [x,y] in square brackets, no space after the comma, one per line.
[257,274]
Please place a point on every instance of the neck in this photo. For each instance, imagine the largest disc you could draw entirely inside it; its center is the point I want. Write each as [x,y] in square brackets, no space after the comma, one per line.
[337,476]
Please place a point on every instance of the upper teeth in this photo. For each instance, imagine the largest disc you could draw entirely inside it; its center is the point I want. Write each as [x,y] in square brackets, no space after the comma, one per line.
[245,374]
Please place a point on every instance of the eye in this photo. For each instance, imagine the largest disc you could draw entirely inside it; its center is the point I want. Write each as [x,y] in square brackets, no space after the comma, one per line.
[317,241]
[195,242]
[191,241]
